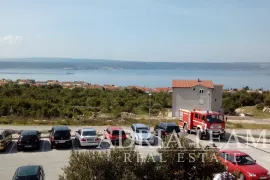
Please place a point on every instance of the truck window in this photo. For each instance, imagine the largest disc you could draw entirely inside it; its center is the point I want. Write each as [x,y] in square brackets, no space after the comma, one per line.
[196,115]
[214,118]
[203,117]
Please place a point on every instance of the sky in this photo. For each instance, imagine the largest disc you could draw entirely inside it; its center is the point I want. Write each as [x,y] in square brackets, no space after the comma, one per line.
[137,30]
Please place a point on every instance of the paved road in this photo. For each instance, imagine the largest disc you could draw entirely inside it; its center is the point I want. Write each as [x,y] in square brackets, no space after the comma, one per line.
[45,128]
[54,160]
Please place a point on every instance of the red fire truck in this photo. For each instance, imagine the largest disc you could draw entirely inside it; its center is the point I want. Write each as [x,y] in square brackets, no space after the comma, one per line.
[203,123]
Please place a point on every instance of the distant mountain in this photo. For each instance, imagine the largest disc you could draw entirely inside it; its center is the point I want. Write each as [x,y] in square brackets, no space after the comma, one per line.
[90,64]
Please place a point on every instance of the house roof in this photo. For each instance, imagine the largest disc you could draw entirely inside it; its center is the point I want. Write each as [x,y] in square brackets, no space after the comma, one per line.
[192,83]
[67,82]
[94,86]
[162,89]
[111,87]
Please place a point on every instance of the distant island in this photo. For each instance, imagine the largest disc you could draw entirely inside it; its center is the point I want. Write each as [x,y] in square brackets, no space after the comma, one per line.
[100,64]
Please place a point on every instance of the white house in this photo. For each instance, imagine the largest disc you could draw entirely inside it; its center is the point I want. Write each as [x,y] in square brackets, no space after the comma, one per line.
[196,94]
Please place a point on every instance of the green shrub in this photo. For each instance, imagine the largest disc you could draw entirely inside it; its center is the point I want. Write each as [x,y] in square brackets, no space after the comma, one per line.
[127,164]
[260,106]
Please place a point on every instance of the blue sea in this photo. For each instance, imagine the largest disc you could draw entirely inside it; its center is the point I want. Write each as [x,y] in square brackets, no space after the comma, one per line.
[147,78]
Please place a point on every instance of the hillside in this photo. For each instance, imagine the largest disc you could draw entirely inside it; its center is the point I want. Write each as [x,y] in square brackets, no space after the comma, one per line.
[89,64]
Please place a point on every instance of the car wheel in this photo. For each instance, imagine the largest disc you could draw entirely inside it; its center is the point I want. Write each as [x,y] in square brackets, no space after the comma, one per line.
[242,177]
[199,134]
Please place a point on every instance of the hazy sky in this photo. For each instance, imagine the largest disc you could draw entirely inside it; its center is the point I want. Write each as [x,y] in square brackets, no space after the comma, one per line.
[144,30]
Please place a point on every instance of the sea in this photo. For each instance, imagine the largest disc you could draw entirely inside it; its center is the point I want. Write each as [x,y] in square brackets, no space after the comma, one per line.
[144,78]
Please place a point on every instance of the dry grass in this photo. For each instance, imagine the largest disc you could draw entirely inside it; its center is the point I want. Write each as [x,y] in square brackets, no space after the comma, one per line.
[230,125]
[255,112]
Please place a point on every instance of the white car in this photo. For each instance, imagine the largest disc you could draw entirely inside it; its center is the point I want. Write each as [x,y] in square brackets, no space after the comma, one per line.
[141,134]
[87,137]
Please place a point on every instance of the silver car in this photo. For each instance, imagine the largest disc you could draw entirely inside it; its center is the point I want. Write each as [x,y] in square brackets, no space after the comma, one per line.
[87,137]
[141,134]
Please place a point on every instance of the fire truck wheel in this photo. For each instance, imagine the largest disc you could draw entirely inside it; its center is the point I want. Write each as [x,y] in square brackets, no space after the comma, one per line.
[199,134]
[186,129]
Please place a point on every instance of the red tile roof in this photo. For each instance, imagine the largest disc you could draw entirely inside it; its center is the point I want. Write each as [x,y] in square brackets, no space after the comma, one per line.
[192,83]
[163,89]
[94,86]
[111,87]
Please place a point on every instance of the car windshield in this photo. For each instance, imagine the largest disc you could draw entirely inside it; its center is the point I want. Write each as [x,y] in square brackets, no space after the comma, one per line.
[89,133]
[171,129]
[28,137]
[27,171]
[62,134]
[118,133]
[215,118]
[142,130]
[244,160]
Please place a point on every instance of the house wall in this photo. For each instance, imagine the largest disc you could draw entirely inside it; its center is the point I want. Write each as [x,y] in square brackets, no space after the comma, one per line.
[217,98]
[188,98]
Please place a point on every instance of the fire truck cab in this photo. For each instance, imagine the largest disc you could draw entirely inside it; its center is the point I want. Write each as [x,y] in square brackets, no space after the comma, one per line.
[203,123]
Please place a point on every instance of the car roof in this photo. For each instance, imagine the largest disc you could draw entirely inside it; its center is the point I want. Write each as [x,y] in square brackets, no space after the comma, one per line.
[140,125]
[115,128]
[234,152]
[61,128]
[27,170]
[169,123]
[29,132]
[88,129]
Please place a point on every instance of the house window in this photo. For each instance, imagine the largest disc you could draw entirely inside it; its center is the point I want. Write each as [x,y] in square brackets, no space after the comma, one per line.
[201,91]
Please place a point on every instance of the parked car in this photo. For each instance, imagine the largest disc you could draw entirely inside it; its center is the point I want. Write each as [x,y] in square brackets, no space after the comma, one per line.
[87,137]
[165,128]
[237,161]
[28,139]
[33,172]
[60,136]
[115,134]
[5,139]
[141,134]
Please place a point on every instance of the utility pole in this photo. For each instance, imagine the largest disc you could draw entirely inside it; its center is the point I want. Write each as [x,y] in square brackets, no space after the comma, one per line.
[149,109]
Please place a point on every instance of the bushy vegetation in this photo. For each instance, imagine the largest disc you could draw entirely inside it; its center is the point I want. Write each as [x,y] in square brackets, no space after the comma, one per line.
[186,161]
[232,101]
[55,102]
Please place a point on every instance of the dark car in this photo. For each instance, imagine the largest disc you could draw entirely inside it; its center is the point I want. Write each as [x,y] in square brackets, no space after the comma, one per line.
[29,139]
[165,128]
[60,136]
[32,172]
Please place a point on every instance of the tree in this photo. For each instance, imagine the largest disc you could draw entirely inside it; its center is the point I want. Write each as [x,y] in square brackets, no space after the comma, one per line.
[115,165]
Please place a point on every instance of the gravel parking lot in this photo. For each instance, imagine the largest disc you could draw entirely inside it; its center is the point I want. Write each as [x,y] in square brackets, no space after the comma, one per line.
[54,160]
